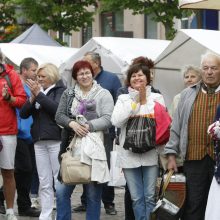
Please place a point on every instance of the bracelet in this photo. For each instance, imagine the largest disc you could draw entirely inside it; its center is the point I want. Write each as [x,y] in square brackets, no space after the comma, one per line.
[8,97]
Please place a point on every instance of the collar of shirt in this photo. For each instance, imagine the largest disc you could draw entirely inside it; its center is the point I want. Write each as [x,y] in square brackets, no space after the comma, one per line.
[207,90]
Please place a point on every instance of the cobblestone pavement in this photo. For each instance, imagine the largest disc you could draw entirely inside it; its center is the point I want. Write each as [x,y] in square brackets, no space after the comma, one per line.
[119,205]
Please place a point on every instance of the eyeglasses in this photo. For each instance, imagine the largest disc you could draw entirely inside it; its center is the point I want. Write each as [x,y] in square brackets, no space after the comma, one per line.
[81,74]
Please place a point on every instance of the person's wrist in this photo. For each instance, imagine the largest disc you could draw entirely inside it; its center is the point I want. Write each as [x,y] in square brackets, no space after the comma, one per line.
[143,102]
[71,123]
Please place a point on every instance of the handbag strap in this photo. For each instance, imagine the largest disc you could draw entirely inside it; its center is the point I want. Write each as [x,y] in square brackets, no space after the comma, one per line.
[72,144]
[166,183]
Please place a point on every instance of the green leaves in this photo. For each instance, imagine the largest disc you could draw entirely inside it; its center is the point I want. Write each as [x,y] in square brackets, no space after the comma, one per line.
[162,11]
[59,15]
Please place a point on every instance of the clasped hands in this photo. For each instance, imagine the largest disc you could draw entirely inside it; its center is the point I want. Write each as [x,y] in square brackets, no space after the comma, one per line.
[35,88]
[5,94]
[80,130]
[142,95]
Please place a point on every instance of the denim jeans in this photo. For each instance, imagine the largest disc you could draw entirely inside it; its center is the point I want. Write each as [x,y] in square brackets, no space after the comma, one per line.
[93,196]
[141,183]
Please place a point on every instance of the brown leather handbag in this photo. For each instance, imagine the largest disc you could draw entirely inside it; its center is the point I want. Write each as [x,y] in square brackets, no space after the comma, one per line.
[171,199]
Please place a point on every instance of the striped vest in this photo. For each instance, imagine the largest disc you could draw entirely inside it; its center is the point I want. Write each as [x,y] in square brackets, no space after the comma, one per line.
[203,112]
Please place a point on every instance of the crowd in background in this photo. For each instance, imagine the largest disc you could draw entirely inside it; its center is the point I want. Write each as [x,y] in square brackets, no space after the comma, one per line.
[38,121]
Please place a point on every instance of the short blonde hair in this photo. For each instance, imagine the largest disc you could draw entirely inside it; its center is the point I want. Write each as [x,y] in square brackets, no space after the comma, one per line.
[51,70]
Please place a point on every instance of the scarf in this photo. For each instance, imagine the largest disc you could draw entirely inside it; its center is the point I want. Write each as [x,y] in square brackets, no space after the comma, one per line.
[81,98]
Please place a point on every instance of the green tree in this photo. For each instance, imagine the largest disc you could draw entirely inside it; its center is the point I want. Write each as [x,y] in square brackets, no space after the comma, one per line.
[8,28]
[163,11]
[58,15]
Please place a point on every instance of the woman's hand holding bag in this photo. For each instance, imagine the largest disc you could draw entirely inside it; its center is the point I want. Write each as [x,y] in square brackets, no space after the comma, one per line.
[71,169]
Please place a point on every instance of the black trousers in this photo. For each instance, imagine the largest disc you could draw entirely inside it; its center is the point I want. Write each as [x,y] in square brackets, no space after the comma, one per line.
[129,213]
[108,193]
[24,164]
[199,176]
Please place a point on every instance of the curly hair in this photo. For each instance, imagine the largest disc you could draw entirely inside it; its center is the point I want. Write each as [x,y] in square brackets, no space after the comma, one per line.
[143,60]
[135,68]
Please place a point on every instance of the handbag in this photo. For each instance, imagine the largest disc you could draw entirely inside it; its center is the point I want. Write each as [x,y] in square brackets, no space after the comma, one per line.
[140,134]
[164,161]
[71,169]
[163,122]
[116,174]
[171,198]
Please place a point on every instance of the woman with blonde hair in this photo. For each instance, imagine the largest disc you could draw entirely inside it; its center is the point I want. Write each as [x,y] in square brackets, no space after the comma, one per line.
[42,105]
[191,76]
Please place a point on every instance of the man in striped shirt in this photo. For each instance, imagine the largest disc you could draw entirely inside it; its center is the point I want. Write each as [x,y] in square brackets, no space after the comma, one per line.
[189,139]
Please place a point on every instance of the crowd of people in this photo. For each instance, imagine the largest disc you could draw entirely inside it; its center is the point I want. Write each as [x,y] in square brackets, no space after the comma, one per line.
[38,120]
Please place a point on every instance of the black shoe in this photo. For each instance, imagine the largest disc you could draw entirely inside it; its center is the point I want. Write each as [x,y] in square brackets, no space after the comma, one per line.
[31,212]
[110,210]
[2,209]
[80,208]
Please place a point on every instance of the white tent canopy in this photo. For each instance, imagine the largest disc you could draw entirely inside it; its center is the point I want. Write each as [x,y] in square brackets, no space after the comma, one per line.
[116,53]
[186,48]
[200,4]
[16,52]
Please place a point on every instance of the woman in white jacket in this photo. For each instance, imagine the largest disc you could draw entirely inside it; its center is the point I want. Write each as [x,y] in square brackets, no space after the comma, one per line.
[140,169]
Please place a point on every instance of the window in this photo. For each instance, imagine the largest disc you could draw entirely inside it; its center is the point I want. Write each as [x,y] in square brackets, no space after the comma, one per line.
[204,19]
[86,33]
[150,27]
[210,19]
[67,40]
[112,22]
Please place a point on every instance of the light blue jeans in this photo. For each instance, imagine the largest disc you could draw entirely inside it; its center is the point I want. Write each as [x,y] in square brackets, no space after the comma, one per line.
[93,196]
[141,183]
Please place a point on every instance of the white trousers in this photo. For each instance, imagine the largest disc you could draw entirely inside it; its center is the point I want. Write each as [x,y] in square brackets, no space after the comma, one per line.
[46,153]
[212,209]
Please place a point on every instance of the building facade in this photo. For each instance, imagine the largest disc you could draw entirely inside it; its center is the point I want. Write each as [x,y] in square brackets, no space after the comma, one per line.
[118,24]
[125,24]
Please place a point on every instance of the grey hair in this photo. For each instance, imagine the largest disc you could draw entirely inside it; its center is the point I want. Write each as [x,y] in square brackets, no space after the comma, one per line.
[188,68]
[209,54]
[26,63]
[95,57]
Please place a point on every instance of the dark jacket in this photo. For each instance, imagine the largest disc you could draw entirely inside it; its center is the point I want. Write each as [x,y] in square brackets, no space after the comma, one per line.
[109,81]
[44,126]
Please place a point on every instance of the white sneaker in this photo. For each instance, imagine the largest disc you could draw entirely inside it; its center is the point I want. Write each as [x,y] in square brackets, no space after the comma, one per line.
[10,217]
[35,203]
